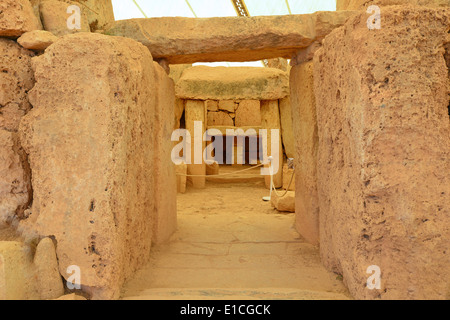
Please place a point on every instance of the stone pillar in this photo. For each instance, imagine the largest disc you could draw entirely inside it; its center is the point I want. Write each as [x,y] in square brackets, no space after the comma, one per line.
[195,111]
[306,142]
[270,119]
[91,143]
[165,219]
[384,150]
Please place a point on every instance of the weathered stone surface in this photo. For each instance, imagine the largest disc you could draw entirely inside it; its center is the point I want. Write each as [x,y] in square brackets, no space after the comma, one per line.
[165,219]
[16,18]
[227,105]
[212,105]
[248,113]
[270,119]
[49,281]
[383,157]
[363,4]
[224,83]
[37,40]
[91,151]
[54,17]
[99,12]
[305,158]
[285,203]
[176,71]
[188,40]
[219,119]
[181,172]
[288,178]
[287,132]
[16,78]
[16,272]
[195,111]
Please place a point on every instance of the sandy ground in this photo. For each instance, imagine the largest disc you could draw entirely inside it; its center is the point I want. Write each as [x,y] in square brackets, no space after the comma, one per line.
[232,245]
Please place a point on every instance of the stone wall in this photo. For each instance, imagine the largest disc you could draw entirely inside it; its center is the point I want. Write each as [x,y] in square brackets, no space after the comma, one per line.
[383,157]
[91,140]
[306,144]
[363,4]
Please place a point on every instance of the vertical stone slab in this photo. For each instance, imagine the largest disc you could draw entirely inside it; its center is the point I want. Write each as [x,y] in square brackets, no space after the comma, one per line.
[90,140]
[195,111]
[16,79]
[305,130]
[165,220]
[270,119]
[287,132]
[383,157]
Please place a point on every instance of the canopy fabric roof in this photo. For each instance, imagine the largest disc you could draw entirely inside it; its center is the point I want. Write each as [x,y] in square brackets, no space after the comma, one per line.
[129,9]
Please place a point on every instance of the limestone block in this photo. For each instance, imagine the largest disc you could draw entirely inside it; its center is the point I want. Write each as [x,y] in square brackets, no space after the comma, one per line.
[49,281]
[288,178]
[179,110]
[16,79]
[91,143]
[188,40]
[363,4]
[37,40]
[227,105]
[270,119]
[248,113]
[16,18]
[287,132]
[165,219]
[54,17]
[16,272]
[181,171]
[305,157]
[219,119]
[383,156]
[285,203]
[195,111]
[224,83]
[212,105]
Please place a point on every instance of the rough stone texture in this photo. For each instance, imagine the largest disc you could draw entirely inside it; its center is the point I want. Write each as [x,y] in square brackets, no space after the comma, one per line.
[224,83]
[54,17]
[285,203]
[37,40]
[188,40]
[165,219]
[91,151]
[16,18]
[99,13]
[16,272]
[181,172]
[287,132]
[49,280]
[305,157]
[248,113]
[270,119]
[227,105]
[16,79]
[219,119]
[383,158]
[212,168]
[212,105]
[288,178]
[363,4]
[195,111]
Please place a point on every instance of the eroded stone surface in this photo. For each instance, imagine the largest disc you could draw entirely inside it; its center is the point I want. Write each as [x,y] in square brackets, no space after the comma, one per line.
[283,202]
[54,16]
[383,160]
[16,79]
[16,18]
[188,40]
[363,4]
[223,83]
[305,158]
[37,40]
[92,156]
